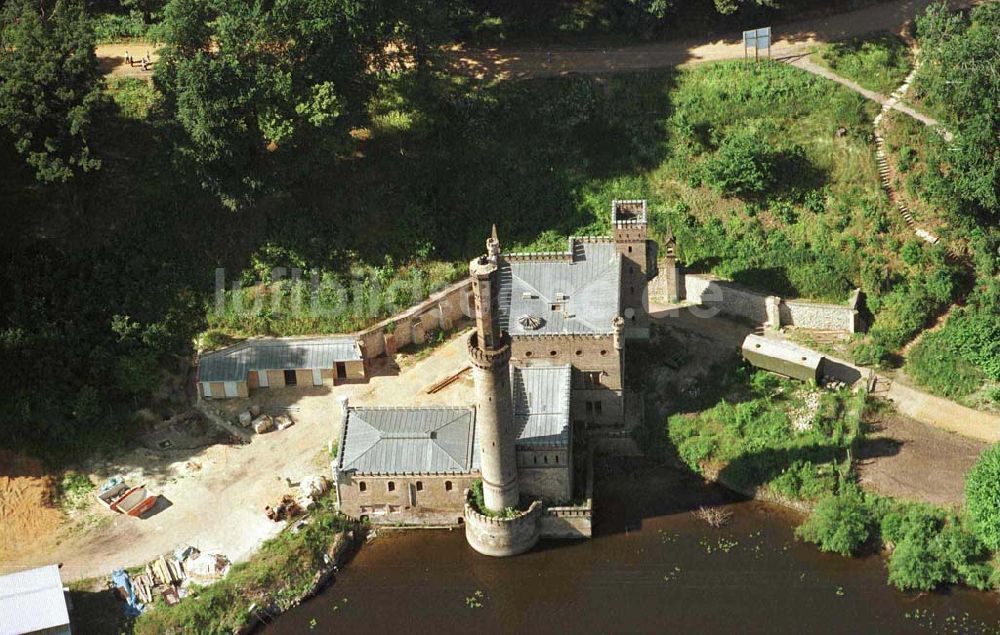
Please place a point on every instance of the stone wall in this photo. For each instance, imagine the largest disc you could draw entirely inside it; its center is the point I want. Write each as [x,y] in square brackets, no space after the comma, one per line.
[503,536]
[770,310]
[730,298]
[551,483]
[442,310]
[567,522]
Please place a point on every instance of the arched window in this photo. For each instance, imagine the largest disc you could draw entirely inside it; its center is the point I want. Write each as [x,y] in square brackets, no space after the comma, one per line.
[391,486]
[557,458]
[447,486]
[362,486]
[420,486]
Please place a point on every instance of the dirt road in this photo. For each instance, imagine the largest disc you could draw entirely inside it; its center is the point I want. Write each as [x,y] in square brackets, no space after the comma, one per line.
[213,498]
[792,39]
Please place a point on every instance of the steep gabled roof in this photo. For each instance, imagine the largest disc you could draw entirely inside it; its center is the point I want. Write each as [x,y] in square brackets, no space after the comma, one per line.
[577,293]
[409,441]
[233,363]
[542,404]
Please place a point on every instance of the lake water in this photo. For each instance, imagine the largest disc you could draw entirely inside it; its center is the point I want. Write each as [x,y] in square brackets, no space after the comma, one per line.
[651,567]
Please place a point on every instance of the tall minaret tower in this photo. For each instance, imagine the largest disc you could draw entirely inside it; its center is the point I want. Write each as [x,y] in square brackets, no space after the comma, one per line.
[489,352]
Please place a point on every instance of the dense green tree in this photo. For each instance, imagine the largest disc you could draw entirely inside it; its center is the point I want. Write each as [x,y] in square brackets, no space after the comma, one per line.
[49,85]
[261,87]
[961,73]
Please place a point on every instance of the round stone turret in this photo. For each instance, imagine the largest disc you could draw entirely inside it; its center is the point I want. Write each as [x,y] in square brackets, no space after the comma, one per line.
[495,423]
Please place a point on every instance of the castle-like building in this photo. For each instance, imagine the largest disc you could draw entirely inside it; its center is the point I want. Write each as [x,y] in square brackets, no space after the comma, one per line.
[548,358]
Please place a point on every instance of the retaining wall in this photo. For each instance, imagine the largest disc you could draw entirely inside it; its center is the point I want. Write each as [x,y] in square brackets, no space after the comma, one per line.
[503,536]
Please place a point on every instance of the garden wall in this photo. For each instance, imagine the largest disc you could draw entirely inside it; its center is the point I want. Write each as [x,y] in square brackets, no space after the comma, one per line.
[442,310]
[769,310]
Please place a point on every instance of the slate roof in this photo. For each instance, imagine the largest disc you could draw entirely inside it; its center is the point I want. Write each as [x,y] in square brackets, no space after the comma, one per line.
[32,600]
[233,363]
[541,404]
[409,441]
[585,285]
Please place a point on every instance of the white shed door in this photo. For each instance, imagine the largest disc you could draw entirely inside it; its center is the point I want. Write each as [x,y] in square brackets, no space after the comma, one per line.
[317,377]
[262,378]
[206,389]
[231,389]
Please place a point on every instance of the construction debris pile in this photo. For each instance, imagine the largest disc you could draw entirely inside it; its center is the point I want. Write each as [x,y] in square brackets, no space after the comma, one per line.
[167,577]
[262,423]
[310,489]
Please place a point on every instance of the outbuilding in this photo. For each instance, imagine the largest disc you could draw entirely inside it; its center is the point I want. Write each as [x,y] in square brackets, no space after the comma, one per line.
[277,362]
[34,601]
[784,358]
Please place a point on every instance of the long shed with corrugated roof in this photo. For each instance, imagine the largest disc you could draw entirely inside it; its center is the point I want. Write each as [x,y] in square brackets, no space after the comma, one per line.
[275,362]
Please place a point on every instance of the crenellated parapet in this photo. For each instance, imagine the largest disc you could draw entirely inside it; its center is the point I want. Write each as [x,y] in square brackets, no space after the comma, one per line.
[489,359]
[502,536]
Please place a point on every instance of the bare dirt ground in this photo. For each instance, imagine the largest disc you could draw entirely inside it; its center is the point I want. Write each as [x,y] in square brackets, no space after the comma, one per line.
[27,510]
[213,497]
[906,459]
[111,59]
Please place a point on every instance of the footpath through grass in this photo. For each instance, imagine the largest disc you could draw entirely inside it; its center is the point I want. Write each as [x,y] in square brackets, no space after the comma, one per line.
[879,62]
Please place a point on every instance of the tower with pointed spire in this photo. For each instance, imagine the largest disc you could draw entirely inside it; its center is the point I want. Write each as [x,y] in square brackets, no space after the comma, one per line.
[489,353]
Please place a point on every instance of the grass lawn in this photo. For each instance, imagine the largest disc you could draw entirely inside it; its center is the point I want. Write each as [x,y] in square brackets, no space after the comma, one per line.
[772,433]
[878,63]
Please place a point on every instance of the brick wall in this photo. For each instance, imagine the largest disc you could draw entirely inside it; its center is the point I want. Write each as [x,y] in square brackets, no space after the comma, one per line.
[586,354]
[414,499]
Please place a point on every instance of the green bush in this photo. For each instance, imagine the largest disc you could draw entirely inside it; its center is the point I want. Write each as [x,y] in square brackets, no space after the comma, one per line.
[134,97]
[805,481]
[839,523]
[982,496]
[913,566]
[744,164]
[116,27]
[931,548]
